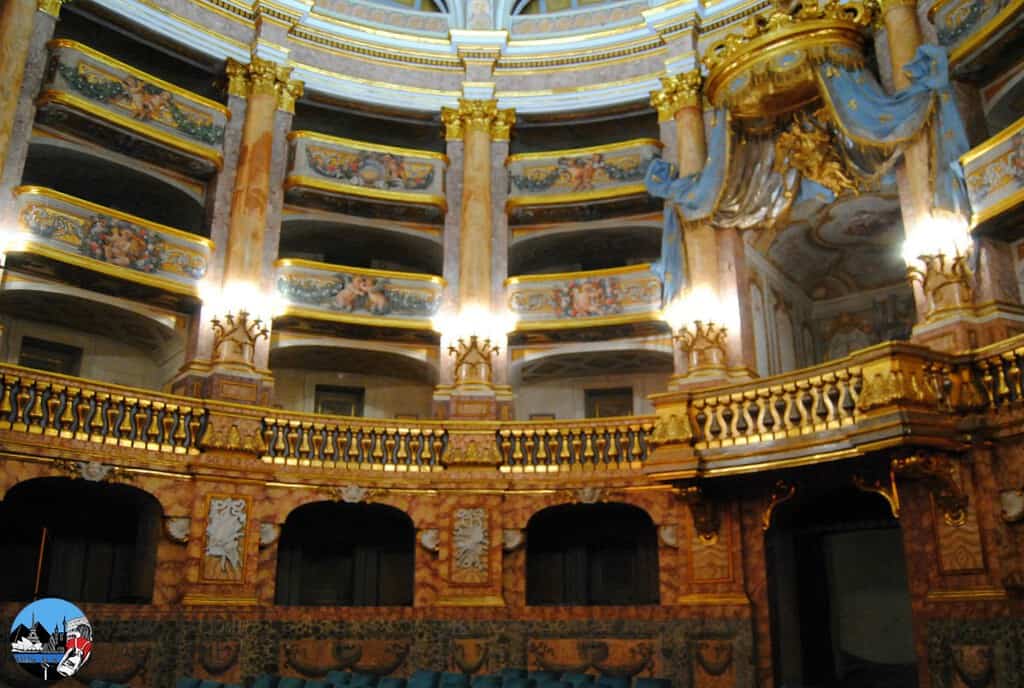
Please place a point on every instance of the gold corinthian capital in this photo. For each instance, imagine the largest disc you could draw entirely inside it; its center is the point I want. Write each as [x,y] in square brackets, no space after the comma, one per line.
[263,77]
[677,92]
[479,115]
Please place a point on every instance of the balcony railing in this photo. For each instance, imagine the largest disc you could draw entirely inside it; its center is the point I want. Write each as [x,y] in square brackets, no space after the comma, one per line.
[81,233]
[356,295]
[124,109]
[585,299]
[57,406]
[364,178]
[995,174]
[888,396]
[968,27]
[577,176]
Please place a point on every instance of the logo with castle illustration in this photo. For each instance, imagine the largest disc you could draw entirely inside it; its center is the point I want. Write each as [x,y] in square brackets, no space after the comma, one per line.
[51,639]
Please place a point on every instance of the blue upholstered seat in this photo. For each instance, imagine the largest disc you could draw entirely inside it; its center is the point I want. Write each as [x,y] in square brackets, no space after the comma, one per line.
[338,678]
[512,672]
[486,681]
[424,679]
[612,682]
[653,683]
[291,682]
[520,682]
[450,679]
[391,682]
[578,680]
[541,677]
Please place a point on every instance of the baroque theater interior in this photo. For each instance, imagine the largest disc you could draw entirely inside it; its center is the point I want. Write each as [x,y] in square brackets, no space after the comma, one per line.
[516,343]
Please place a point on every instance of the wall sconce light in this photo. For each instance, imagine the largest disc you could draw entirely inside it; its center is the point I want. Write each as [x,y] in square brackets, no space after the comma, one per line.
[704,345]
[936,254]
[472,334]
[234,338]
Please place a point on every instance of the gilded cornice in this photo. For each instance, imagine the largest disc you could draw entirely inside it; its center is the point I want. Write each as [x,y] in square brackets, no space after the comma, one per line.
[677,92]
[263,77]
[51,7]
[479,115]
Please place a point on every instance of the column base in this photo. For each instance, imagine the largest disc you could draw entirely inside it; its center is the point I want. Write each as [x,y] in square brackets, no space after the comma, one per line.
[969,328]
[483,402]
[225,382]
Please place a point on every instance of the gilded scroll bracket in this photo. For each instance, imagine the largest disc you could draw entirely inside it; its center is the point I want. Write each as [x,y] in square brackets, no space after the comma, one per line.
[938,473]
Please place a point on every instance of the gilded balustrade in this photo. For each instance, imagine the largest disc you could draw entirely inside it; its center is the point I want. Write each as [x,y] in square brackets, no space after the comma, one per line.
[353,444]
[994,172]
[321,291]
[127,110]
[55,406]
[585,299]
[363,178]
[74,231]
[887,396]
[587,445]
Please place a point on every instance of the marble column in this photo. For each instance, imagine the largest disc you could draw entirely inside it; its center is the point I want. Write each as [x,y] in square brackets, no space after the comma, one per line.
[714,258]
[25,28]
[483,130]
[230,346]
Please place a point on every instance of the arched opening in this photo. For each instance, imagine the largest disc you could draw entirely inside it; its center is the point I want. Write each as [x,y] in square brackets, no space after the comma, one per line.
[359,555]
[82,541]
[591,554]
[840,603]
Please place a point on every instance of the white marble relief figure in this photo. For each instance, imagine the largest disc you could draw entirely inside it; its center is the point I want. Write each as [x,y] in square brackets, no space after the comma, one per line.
[224,530]
[470,535]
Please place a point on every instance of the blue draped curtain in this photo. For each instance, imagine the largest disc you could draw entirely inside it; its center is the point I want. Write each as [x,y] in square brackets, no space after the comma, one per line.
[871,118]
[693,197]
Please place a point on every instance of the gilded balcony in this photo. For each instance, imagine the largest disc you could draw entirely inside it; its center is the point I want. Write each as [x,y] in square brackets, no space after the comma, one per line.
[887,396]
[358,296]
[593,298]
[69,230]
[553,185]
[365,179]
[96,97]
[995,179]
[976,32]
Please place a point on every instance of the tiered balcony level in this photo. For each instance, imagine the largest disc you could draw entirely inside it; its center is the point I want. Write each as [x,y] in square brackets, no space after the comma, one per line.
[995,180]
[96,97]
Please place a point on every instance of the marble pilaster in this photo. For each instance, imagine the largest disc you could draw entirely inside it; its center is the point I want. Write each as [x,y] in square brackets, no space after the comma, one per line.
[25,28]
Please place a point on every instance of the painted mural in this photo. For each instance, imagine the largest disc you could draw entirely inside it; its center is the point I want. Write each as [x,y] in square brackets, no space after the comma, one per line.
[101,79]
[955,21]
[583,296]
[348,290]
[318,159]
[370,168]
[81,229]
[995,174]
[581,170]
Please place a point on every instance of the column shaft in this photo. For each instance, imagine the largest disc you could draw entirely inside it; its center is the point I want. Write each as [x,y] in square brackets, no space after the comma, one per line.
[475,237]
[24,32]
[903,36]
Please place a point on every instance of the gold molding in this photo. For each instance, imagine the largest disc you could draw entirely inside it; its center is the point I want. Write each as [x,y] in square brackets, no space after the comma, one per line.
[211,599]
[572,152]
[305,181]
[724,599]
[568,324]
[979,37]
[470,601]
[992,142]
[363,145]
[156,134]
[967,595]
[629,269]
[373,272]
[478,115]
[51,7]
[375,321]
[576,197]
